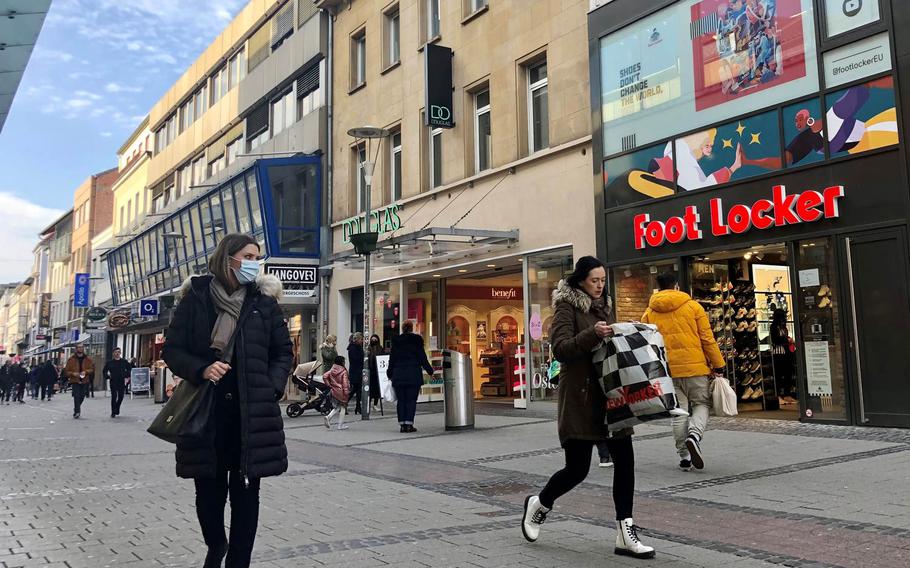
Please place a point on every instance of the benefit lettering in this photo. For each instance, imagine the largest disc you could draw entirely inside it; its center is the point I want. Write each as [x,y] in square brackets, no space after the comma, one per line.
[779,211]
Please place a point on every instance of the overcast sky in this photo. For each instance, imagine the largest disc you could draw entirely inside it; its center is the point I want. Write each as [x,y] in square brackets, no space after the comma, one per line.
[97,69]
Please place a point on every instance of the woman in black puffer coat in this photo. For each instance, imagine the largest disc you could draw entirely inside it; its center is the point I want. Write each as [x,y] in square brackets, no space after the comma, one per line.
[228,328]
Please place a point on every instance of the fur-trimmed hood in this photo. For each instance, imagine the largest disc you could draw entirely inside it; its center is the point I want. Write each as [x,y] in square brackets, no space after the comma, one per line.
[267,284]
[579,299]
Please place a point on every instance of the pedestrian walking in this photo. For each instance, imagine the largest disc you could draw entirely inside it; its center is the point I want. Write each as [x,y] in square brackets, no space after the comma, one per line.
[6,383]
[19,375]
[355,364]
[328,352]
[33,383]
[337,379]
[581,321]
[229,329]
[376,350]
[117,372]
[406,361]
[692,353]
[79,371]
[47,378]
[783,358]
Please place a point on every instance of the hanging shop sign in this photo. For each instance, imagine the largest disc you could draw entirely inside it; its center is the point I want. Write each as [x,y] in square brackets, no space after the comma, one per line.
[484,293]
[438,87]
[779,211]
[298,281]
[44,318]
[80,290]
[95,318]
[385,220]
[119,318]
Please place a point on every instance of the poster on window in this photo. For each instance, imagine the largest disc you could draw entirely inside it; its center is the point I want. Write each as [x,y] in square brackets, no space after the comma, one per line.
[742,47]
[862,118]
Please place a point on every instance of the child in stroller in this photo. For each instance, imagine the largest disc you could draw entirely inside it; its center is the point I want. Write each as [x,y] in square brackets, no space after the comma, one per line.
[308,378]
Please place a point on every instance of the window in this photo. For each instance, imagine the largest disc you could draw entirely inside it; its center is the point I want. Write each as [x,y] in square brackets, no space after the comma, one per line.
[216,165]
[160,139]
[233,150]
[257,125]
[219,84]
[122,218]
[172,128]
[199,170]
[435,157]
[538,108]
[129,211]
[359,156]
[282,25]
[201,100]
[136,201]
[358,59]
[432,19]
[237,68]
[309,93]
[295,202]
[482,146]
[283,112]
[392,37]
[395,167]
[184,179]
[477,5]
[259,47]
[187,114]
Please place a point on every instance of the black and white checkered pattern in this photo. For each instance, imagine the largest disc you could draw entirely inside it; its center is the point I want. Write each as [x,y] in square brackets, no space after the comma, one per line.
[634,375]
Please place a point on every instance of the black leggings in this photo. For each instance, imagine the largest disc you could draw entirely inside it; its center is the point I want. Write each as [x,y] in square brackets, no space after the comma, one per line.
[578,462]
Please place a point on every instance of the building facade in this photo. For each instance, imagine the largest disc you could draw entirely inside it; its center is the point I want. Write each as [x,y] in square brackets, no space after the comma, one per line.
[757,150]
[238,145]
[472,211]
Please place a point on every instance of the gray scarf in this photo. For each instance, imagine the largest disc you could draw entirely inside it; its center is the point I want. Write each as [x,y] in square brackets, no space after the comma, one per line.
[228,307]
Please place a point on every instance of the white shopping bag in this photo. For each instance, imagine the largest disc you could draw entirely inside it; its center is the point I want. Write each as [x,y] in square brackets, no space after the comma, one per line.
[386,391]
[724,397]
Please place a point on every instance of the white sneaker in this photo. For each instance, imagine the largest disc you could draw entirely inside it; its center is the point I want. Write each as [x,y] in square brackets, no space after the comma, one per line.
[606,463]
[628,543]
[328,424]
[535,515]
[342,426]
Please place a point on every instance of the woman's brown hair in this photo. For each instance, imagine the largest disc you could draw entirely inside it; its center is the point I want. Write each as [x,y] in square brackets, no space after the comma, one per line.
[219,262]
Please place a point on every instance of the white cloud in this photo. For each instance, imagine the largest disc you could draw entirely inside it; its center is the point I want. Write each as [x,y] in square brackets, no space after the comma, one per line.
[118,88]
[106,134]
[87,95]
[19,234]
[53,54]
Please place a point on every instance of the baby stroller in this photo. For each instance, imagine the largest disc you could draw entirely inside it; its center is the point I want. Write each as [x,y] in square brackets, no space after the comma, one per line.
[318,396]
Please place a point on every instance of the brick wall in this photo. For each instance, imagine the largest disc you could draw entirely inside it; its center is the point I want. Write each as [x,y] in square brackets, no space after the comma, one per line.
[102,211]
[632,292]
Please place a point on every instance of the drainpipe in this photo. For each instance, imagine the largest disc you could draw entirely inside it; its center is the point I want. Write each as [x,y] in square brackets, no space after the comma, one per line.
[325,280]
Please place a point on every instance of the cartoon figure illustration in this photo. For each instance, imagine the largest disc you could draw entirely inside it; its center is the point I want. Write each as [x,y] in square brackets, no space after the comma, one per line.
[849,134]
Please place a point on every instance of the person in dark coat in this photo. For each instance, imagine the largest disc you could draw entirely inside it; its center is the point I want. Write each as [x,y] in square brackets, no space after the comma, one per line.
[19,375]
[376,349]
[355,368]
[6,383]
[581,321]
[117,371]
[229,329]
[47,378]
[406,361]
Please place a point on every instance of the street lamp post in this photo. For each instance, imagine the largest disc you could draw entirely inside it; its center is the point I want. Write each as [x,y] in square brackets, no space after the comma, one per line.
[365,243]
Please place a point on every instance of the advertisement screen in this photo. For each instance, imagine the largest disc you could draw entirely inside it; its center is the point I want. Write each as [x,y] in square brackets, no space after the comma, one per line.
[700,62]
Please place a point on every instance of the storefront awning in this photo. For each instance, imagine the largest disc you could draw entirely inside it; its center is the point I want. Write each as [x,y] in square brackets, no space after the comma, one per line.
[432,244]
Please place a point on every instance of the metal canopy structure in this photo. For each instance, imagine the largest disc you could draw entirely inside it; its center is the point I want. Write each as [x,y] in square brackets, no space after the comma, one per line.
[430,246]
[20,24]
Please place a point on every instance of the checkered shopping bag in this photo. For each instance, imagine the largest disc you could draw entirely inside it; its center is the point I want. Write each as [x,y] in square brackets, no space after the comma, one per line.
[634,376]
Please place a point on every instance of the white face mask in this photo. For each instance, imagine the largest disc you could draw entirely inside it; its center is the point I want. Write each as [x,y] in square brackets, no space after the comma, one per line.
[248,271]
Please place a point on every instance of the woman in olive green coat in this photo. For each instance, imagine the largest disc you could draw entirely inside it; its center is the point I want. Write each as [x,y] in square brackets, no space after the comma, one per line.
[582,319]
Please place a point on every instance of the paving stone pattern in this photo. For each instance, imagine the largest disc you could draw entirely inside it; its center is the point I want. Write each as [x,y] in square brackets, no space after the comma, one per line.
[100,492]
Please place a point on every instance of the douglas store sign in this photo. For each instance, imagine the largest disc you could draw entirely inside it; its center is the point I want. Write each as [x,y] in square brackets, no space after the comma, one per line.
[781,210]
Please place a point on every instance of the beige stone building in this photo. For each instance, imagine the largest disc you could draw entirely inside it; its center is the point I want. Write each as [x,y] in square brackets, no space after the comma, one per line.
[478,222]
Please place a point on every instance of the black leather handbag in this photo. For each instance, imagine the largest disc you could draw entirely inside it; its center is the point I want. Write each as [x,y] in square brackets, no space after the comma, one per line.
[187,417]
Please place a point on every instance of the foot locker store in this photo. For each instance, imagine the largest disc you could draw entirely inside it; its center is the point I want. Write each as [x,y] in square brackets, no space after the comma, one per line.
[784,213]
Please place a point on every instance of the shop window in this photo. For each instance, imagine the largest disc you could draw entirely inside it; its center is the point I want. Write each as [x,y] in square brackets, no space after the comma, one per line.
[386,312]
[861,118]
[643,174]
[538,107]
[804,133]
[295,208]
[633,286]
[737,150]
[482,132]
[702,62]
[545,270]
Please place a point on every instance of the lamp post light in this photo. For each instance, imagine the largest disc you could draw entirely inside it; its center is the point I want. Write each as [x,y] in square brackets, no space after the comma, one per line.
[365,243]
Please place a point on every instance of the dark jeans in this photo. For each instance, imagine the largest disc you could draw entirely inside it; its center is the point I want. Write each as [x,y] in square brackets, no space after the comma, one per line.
[78,397]
[211,495]
[34,388]
[117,394]
[356,395]
[20,393]
[578,462]
[5,392]
[603,451]
[47,390]
[407,402]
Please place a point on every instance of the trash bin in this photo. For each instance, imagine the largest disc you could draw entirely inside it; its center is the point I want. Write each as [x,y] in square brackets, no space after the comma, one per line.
[458,383]
[160,380]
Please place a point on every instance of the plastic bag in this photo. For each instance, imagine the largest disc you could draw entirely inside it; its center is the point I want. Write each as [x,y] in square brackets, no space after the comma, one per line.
[634,376]
[724,397]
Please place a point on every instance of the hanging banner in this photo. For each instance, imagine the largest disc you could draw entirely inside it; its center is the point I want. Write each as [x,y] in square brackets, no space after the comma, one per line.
[81,291]
[438,86]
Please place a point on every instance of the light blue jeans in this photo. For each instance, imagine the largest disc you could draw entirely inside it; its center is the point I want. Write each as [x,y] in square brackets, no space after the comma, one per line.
[694,394]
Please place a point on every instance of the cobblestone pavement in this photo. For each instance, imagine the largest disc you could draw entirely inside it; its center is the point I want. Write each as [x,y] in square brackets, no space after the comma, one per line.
[100,492]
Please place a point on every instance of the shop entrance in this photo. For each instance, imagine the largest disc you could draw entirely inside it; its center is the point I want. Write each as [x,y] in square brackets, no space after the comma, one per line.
[879,309]
[748,295]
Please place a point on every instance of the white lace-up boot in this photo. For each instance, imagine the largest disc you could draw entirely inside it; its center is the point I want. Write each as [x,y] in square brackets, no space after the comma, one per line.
[535,515]
[628,543]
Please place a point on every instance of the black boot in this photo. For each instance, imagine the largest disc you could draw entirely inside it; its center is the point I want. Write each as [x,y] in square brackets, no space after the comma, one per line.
[215,556]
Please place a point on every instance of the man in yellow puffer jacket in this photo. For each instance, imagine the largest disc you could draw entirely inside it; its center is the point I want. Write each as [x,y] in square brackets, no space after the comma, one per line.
[692,353]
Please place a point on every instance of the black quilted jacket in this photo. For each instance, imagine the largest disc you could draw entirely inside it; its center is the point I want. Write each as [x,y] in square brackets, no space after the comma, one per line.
[262,362]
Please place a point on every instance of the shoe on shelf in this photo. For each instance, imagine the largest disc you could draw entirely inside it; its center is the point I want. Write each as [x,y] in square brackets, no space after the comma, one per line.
[824,290]
[685,465]
[758,393]
[741,313]
[535,515]
[752,327]
[750,314]
[747,395]
[825,303]
[628,543]
[719,327]
[606,463]
[743,326]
